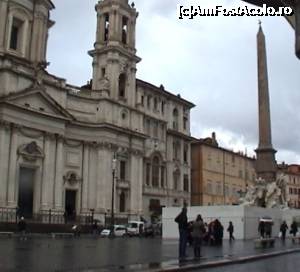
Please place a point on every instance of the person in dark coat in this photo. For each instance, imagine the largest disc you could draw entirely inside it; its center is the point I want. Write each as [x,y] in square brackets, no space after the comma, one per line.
[22,227]
[261,229]
[294,228]
[218,232]
[182,222]
[230,229]
[283,229]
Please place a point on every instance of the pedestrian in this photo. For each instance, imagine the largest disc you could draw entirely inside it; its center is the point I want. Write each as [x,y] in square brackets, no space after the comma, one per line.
[230,229]
[294,228]
[261,229]
[283,229]
[95,228]
[22,226]
[182,222]
[198,234]
[218,232]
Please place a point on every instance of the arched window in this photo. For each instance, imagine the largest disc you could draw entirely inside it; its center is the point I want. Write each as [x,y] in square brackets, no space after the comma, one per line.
[122,202]
[122,85]
[155,171]
[124,30]
[106,27]
[175,119]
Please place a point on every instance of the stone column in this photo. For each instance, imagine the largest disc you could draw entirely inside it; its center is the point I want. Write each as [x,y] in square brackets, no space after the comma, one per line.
[104,178]
[48,177]
[85,180]
[118,26]
[39,34]
[133,33]
[59,166]
[12,182]
[3,19]
[136,184]
[4,155]
[100,28]
[112,30]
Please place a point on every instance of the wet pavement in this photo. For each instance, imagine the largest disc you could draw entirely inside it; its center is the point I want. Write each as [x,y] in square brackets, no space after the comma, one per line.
[119,254]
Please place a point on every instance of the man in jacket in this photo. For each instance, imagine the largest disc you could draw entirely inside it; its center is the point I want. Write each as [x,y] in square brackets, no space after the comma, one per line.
[182,222]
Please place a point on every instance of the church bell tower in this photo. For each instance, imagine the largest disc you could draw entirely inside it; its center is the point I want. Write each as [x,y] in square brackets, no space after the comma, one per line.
[114,53]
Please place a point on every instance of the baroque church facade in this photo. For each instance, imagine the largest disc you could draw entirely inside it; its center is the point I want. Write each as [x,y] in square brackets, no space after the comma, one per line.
[62,147]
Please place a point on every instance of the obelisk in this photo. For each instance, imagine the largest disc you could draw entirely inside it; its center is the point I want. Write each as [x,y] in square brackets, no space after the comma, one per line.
[265,164]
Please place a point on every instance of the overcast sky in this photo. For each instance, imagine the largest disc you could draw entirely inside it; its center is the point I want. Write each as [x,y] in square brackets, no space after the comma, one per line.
[210,61]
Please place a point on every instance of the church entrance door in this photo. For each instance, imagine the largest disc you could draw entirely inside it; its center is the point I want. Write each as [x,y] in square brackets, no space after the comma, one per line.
[70,205]
[25,196]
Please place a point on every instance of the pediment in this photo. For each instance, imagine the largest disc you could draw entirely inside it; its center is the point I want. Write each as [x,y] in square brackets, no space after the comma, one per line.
[39,101]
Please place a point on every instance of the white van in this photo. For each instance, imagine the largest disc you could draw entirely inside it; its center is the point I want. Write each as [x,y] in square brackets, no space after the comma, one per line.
[135,228]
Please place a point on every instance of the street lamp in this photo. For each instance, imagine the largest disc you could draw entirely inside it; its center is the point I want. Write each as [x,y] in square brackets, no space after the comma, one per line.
[114,167]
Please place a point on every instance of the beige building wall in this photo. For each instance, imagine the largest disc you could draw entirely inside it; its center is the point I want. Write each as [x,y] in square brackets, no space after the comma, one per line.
[218,174]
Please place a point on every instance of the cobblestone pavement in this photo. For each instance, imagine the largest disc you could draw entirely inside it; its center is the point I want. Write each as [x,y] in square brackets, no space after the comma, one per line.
[119,254]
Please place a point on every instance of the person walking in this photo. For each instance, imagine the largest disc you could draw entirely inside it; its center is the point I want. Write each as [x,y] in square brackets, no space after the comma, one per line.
[22,226]
[182,222]
[294,228]
[283,229]
[198,233]
[230,229]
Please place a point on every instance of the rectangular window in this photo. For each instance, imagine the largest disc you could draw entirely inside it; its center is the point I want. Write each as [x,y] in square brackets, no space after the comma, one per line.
[185,121]
[162,107]
[123,170]
[162,176]
[142,100]
[147,129]
[155,130]
[148,169]
[148,101]
[186,183]
[15,34]
[209,188]
[185,153]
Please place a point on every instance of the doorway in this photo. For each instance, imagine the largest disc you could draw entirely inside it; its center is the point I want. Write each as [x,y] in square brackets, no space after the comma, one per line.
[25,195]
[70,205]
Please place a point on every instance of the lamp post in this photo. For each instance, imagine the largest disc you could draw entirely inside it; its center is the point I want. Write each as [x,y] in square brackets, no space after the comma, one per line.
[114,167]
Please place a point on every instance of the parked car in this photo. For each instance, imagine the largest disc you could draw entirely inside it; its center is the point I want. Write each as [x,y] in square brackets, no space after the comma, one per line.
[119,231]
[135,228]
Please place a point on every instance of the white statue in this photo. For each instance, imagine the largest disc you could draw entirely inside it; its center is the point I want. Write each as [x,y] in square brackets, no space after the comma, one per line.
[104,84]
[269,195]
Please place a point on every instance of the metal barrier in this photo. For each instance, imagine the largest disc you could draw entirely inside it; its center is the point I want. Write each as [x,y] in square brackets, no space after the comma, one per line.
[10,215]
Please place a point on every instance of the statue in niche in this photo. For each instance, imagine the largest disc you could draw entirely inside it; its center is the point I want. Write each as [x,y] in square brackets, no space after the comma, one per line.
[104,84]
